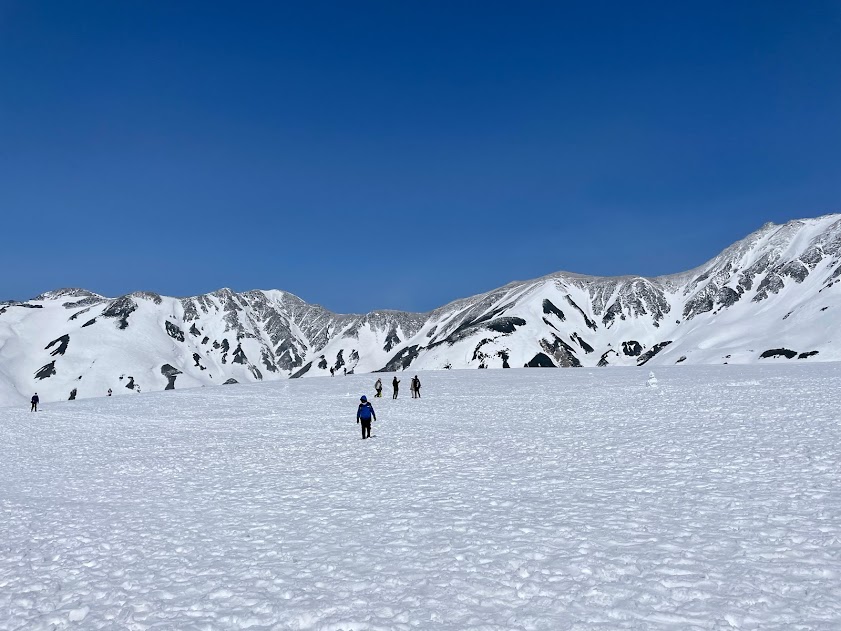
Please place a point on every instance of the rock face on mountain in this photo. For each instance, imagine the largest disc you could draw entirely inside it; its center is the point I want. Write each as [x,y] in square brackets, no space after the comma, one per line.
[776,289]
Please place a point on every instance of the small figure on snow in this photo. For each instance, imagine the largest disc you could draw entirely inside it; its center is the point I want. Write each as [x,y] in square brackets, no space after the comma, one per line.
[415,387]
[396,385]
[34,401]
[345,371]
[332,371]
[364,415]
[379,388]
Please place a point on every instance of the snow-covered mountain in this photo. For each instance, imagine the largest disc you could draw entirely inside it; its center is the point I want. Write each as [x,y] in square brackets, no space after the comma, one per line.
[772,296]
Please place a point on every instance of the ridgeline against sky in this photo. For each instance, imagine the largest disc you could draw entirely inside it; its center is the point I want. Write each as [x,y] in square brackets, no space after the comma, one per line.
[401,155]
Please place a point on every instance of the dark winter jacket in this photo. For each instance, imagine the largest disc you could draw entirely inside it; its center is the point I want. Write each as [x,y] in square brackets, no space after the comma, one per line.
[35,399]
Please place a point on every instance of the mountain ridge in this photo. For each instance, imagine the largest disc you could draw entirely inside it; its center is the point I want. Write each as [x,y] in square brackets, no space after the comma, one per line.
[730,309]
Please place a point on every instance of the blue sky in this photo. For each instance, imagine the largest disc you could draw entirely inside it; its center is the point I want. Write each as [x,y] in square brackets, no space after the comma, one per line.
[403,154]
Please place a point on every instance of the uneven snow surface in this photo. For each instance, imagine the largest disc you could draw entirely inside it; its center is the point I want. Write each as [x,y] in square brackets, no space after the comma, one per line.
[708,498]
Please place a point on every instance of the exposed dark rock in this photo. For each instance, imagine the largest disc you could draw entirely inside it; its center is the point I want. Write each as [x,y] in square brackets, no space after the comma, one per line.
[148,295]
[354,355]
[561,351]
[646,356]
[78,313]
[197,359]
[340,361]
[796,270]
[807,354]
[771,284]
[174,332]
[402,360]
[631,348]
[699,304]
[89,322]
[167,370]
[304,370]
[590,323]
[584,345]
[550,308]
[505,357]
[255,372]
[171,373]
[62,342]
[72,395]
[239,355]
[778,352]
[194,330]
[541,360]
[130,384]
[478,354]
[48,370]
[727,296]
[288,355]
[550,325]
[230,381]
[216,344]
[604,361]
[505,325]
[120,309]
[391,340]
[322,363]
[224,346]
[470,323]
[205,340]
[266,358]
[681,359]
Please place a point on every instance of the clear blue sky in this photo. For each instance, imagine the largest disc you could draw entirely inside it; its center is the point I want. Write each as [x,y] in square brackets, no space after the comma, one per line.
[369,155]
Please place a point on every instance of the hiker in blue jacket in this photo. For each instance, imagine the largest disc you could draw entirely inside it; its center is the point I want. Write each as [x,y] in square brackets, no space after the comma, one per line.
[364,415]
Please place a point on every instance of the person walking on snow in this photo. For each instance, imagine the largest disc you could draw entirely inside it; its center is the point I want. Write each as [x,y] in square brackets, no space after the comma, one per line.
[34,401]
[396,385]
[364,415]
[379,388]
[416,387]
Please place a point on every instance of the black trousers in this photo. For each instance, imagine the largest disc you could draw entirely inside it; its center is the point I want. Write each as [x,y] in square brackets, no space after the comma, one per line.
[34,407]
[366,428]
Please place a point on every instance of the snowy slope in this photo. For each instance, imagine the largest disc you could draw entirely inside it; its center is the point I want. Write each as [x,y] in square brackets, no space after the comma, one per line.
[553,500]
[775,293]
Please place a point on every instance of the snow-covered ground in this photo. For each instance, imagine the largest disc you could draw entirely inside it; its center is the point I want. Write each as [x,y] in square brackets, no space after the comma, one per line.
[507,499]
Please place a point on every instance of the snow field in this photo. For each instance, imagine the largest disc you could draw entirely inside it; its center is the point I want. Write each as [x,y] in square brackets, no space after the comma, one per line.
[511,499]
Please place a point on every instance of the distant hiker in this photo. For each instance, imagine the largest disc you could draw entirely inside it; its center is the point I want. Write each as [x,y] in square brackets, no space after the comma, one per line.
[396,385]
[109,392]
[34,401]
[416,387]
[364,415]
[345,371]
[379,388]
[332,371]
